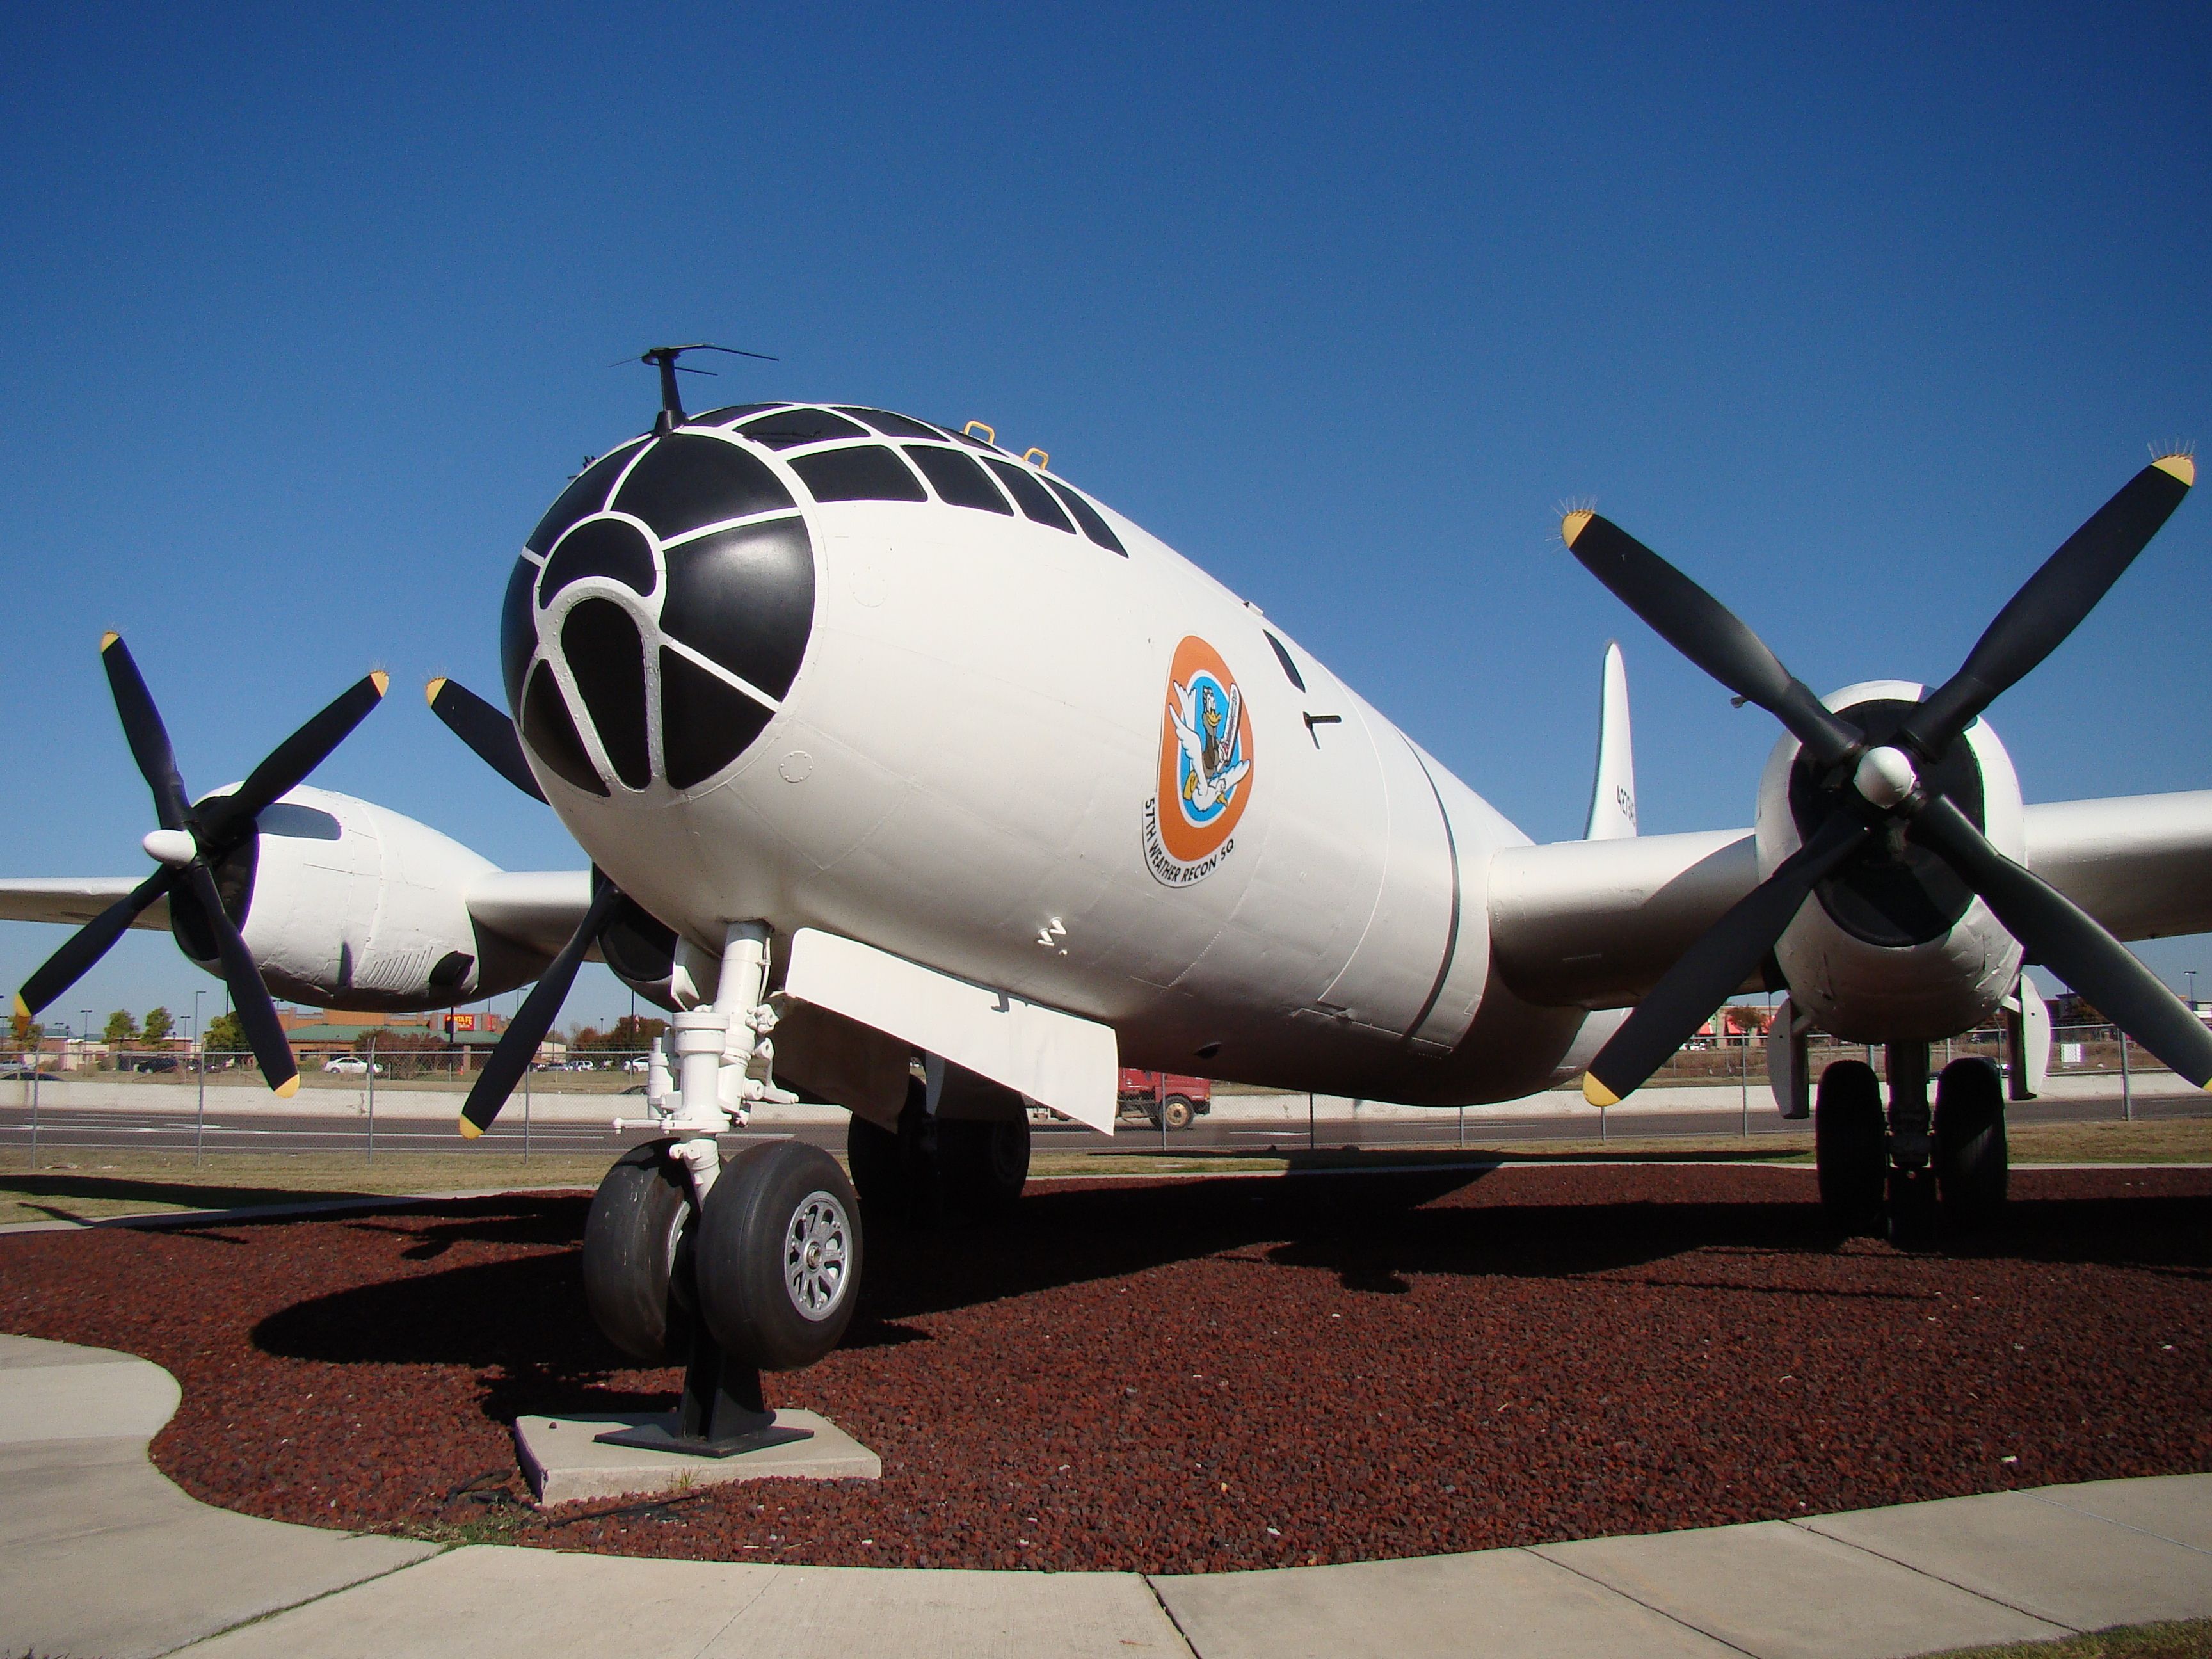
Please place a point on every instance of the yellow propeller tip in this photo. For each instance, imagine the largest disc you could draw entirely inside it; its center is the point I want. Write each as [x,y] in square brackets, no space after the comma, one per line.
[430,691]
[288,1088]
[108,639]
[22,1008]
[1574,523]
[469,1130]
[381,680]
[1597,1093]
[2183,467]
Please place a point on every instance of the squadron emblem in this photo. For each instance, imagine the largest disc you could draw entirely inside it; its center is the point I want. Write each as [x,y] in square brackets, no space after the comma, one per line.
[1205,769]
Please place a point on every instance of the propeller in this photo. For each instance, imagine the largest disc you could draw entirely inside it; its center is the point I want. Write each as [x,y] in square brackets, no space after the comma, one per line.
[490,732]
[194,839]
[1874,792]
[518,1042]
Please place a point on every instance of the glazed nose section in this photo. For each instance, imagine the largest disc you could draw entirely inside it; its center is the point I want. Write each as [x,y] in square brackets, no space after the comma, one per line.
[658,616]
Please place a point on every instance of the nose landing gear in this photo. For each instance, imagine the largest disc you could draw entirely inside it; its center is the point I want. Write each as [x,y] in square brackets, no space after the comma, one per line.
[1902,1173]
[764,1280]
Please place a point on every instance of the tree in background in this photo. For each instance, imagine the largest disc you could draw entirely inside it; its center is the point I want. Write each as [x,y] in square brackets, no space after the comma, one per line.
[159,1025]
[630,1033]
[23,1031]
[225,1034]
[403,1050]
[122,1027]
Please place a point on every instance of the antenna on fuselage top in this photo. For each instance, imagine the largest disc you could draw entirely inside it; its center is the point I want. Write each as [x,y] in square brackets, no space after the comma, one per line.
[664,359]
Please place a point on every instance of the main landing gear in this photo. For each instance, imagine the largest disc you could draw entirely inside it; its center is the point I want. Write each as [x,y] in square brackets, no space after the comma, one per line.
[915,1174]
[1902,1173]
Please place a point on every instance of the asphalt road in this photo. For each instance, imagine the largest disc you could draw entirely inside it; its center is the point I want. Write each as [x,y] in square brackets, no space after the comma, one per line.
[231,1127]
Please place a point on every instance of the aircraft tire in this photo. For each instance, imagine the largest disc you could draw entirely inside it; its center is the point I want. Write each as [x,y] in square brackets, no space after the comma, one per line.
[638,1227]
[985,1164]
[1972,1164]
[1850,1145]
[778,1259]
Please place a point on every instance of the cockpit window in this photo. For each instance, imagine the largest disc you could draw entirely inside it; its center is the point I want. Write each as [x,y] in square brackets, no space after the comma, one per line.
[1032,497]
[724,416]
[587,494]
[599,547]
[1283,656]
[865,472]
[958,479]
[1087,515]
[790,428]
[891,425]
[689,479]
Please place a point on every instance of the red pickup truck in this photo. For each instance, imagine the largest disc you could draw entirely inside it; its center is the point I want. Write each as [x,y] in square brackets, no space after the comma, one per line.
[1154,1096]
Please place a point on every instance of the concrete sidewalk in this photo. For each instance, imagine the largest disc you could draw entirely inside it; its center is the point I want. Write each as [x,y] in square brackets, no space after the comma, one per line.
[101,1554]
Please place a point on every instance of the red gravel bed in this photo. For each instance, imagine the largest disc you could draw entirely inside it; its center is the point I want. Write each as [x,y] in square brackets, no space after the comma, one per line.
[1195,1375]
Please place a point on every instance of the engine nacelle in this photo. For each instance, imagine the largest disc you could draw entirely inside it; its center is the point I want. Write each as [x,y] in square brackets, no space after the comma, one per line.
[344,903]
[1897,949]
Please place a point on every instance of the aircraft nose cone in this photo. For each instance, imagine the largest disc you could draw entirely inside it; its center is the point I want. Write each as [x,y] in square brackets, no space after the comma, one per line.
[658,616]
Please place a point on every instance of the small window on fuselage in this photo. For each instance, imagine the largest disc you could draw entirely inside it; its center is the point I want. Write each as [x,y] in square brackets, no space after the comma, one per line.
[1034,501]
[866,472]
[958,481]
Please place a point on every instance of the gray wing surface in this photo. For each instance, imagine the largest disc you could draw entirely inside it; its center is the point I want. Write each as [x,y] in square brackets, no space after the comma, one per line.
[1594,923]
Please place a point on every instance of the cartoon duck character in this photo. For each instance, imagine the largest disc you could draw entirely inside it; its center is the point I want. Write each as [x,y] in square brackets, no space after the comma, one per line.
[1208,733]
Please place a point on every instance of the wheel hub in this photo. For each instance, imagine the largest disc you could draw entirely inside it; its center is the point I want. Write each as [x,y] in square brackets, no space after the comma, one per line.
[815,1255]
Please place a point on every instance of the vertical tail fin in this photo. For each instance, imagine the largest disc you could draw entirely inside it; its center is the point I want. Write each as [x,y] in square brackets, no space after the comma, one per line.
[1612,793]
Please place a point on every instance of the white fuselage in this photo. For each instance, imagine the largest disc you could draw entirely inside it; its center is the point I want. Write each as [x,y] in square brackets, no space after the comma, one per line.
[960,772]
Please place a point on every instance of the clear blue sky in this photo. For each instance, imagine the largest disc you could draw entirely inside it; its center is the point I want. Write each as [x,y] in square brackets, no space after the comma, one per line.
[1856,312]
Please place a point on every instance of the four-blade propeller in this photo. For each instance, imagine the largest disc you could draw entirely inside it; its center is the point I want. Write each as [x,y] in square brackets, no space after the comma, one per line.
[192,841]
[1866,787]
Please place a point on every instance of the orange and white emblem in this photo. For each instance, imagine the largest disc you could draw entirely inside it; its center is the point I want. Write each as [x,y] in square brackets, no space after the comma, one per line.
[1205,769]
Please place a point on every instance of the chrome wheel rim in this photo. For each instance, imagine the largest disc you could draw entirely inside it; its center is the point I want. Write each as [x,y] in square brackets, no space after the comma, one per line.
[817,1255]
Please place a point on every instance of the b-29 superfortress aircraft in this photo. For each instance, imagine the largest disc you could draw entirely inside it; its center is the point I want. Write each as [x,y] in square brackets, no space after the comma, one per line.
[916,779]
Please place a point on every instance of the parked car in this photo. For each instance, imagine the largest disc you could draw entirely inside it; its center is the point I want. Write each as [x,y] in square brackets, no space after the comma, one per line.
[351,1065]
[147,1063]
[1155,1095]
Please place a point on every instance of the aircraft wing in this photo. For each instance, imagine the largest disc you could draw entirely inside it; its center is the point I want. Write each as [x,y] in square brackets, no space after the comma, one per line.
[74,899]
[1594,923]
[2140,864]
[538,908]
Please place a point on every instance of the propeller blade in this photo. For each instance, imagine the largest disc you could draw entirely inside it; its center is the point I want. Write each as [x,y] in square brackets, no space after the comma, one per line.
[1707,632]
[289,762]
[2051,604]
[88,943]
[1707,974]
[249,997]
[2071,944]
[143,728]
[518,1042]
[485,729]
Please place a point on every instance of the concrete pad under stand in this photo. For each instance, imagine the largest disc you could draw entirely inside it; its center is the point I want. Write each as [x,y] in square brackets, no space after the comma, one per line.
[564,1462]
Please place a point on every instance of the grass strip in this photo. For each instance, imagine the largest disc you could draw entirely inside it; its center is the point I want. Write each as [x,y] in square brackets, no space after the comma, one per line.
[2191,1639]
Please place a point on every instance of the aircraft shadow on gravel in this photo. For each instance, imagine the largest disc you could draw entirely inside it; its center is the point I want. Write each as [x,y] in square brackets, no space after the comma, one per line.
[514,1318]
